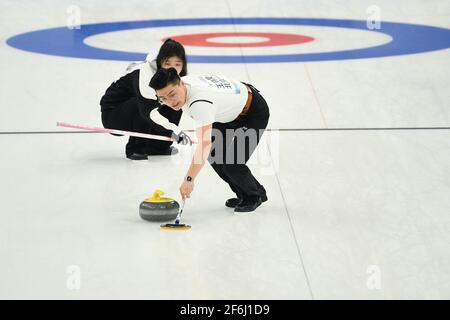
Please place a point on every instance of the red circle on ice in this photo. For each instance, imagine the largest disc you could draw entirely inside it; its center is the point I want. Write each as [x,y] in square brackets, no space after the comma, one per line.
[272,39]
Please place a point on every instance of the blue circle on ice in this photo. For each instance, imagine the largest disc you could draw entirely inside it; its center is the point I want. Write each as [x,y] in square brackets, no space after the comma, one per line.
[65,42]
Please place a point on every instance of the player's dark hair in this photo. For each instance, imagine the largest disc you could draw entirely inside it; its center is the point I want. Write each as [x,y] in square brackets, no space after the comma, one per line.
[163,77]
[169,49]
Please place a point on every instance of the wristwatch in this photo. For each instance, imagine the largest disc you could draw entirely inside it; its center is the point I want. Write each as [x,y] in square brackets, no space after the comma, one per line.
[189,178]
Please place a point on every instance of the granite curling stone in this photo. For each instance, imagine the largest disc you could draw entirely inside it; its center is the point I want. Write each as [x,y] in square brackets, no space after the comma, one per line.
[157,208]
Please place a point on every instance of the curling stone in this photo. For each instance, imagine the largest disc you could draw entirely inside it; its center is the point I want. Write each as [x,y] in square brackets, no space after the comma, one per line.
[157,208]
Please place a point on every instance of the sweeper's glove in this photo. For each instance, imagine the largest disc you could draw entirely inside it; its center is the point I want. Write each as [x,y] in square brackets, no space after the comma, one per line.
[182,138]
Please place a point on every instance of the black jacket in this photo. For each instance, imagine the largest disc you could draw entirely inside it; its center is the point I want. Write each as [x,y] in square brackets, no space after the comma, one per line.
[134,84]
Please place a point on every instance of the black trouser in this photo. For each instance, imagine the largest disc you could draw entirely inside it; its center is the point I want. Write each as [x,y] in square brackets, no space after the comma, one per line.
[239,138]
[127,116]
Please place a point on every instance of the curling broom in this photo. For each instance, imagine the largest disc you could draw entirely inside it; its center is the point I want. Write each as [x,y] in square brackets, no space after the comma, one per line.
[177,225]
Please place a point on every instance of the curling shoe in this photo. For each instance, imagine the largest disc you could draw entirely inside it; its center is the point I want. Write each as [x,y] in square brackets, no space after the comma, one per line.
[137,156]
[248,205]
[234,202]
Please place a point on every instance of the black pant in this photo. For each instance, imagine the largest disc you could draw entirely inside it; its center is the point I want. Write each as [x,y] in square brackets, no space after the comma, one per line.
[233,144]
[128,117]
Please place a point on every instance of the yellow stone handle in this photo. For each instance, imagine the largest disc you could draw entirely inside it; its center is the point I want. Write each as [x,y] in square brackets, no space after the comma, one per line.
[156,197]
[157,194]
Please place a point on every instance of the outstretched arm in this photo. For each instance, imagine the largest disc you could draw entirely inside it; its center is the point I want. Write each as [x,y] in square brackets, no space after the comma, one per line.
[202,151]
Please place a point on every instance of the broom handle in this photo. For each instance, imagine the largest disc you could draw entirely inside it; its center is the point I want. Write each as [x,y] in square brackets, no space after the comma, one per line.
[177,220]
[122,132]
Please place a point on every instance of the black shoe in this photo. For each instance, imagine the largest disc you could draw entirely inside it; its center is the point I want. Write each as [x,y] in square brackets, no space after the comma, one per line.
[233,202]
[137,156]
[167,152]
[248,205]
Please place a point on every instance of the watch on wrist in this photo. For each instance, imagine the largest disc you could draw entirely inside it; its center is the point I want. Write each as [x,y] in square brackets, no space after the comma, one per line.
[189,178]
